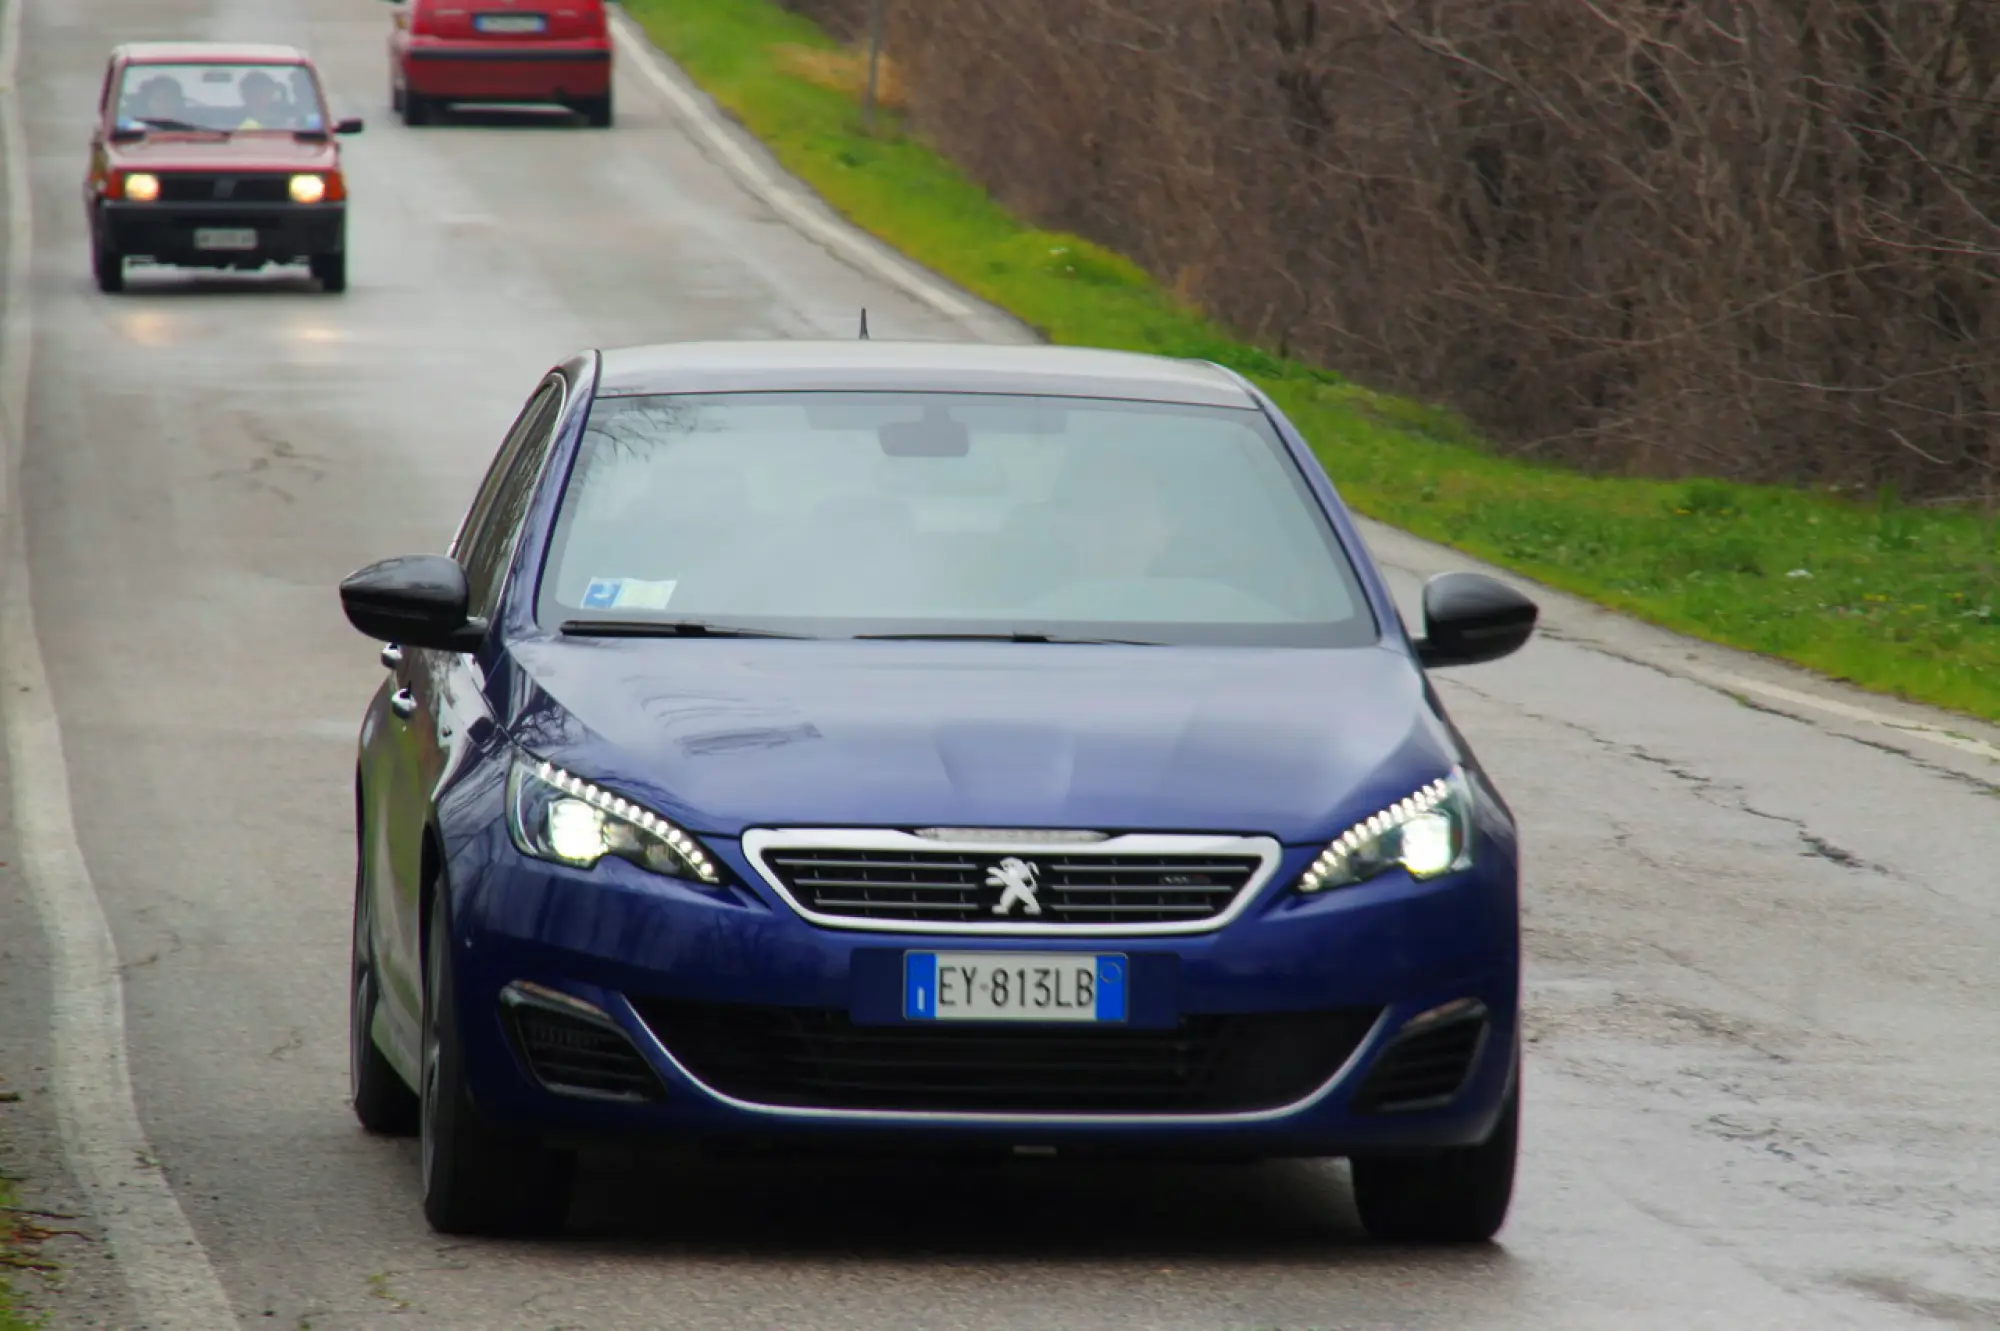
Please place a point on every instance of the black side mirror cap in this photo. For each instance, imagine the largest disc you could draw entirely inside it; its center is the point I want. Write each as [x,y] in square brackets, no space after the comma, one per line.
[416,600]
[1470,618]
[347,125]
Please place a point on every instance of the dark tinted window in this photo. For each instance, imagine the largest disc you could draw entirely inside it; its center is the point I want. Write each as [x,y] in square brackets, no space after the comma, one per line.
[493,527]
[842,513]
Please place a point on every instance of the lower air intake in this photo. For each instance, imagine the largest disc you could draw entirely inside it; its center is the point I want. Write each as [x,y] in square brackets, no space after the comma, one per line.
[1424,1068]
[580,1057]
[819,1059]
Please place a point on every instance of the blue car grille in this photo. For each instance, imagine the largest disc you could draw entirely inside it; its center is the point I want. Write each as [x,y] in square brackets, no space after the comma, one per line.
[950,886]
[818,1058]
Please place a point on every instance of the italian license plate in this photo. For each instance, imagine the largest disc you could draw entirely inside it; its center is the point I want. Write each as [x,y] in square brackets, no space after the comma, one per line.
[1014,986]
[510,23]
[225,238]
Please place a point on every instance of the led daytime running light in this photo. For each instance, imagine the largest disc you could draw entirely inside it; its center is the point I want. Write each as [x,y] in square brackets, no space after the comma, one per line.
[642,818]
[1333,863]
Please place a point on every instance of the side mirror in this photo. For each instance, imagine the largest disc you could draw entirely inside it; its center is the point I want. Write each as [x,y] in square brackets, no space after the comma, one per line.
[1470,618]
[347,125]
[417,600]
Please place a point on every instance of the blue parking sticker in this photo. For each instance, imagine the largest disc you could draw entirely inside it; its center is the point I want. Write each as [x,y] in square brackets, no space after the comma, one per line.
[602,593]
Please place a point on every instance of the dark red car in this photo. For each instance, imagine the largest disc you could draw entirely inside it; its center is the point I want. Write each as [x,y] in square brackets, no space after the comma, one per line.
[215,155]
[541,52]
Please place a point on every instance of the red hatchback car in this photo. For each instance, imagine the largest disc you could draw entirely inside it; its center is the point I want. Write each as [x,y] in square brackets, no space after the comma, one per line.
[546,52]
[215,155]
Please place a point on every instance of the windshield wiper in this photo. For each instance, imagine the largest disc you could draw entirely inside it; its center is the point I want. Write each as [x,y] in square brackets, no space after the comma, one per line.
[182,126]
[664,628]
[1005,637]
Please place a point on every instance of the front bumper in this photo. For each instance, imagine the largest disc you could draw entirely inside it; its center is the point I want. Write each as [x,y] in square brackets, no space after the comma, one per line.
[725,1015]
[507,71]
[167,232]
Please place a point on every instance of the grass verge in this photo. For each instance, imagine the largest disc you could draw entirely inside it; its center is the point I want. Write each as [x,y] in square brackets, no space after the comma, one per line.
[10,1320]
[1896,598]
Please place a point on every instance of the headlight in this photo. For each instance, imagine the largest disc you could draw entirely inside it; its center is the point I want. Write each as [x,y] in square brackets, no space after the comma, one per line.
[142,187]
[553,815]
[1427,834]
[308,189]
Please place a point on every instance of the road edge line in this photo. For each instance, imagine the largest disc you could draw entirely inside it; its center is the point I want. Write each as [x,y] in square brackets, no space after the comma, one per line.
[173,1285]
[838,237]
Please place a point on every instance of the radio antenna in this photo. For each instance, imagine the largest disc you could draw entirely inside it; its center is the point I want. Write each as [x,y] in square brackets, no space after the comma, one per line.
[864,323]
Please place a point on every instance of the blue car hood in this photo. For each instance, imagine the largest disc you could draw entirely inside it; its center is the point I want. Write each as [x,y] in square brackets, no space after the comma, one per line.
[724,735]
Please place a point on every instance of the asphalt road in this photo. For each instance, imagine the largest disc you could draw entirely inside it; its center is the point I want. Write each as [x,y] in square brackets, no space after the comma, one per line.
[1761,910]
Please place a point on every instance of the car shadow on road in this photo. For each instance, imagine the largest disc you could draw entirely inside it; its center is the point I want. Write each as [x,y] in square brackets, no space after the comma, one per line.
[148,282]
[1044,1209]
[506,117]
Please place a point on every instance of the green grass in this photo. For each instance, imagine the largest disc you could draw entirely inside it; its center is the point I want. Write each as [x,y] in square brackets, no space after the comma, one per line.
[1895,598]
[10,1320]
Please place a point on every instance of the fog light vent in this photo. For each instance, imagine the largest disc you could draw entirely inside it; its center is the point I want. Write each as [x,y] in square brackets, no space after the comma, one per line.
[1428,1062]
[573,1052]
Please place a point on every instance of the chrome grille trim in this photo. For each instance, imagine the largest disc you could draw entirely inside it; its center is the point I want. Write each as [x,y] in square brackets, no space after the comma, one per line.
[764,846]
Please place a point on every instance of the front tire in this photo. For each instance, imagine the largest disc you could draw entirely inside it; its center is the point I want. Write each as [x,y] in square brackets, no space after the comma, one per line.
[331,270]
[107,265]
[383,1102]
[596,111]
[416,110]
[1453,1197]
[478,1179]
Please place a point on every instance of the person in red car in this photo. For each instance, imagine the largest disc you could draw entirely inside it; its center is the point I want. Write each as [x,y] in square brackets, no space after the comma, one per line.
[264,105]
[161,98]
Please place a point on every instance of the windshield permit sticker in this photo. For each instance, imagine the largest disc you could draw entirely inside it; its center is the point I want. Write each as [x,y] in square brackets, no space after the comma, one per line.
[602,593]
[635,594]
[627,594]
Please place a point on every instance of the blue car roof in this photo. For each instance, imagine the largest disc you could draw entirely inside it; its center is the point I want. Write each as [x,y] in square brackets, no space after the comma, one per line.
[915,367]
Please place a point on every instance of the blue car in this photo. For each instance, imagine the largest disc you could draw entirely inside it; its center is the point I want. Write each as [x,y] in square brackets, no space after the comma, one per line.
[924,745]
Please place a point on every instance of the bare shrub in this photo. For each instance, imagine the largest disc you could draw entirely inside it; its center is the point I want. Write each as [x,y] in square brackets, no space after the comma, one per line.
[1745,238]
[844,72]
[845,20]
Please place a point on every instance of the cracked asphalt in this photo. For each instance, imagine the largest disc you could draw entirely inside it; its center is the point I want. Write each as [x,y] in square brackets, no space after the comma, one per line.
[1761,910]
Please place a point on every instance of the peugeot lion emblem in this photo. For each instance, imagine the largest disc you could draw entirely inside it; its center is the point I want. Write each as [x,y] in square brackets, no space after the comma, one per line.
[1015,878]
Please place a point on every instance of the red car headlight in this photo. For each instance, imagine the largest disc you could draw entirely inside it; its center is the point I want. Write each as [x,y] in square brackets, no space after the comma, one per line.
[138,186]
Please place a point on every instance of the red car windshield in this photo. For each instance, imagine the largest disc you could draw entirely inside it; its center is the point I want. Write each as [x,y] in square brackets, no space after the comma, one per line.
[226,98]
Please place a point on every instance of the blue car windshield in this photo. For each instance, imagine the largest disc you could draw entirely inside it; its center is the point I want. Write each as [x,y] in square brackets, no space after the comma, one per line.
[848,514]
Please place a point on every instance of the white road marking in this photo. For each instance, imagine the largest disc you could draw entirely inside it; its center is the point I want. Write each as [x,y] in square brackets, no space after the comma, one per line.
[173,1285]
[1729,680]
[842,240]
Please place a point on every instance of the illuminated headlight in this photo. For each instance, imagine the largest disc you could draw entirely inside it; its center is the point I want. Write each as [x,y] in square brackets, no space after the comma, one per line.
[1427,834]
[555,816]
[142,187]
[308,189]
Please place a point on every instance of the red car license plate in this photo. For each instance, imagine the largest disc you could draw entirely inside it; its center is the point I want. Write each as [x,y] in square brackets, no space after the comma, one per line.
[510,24]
